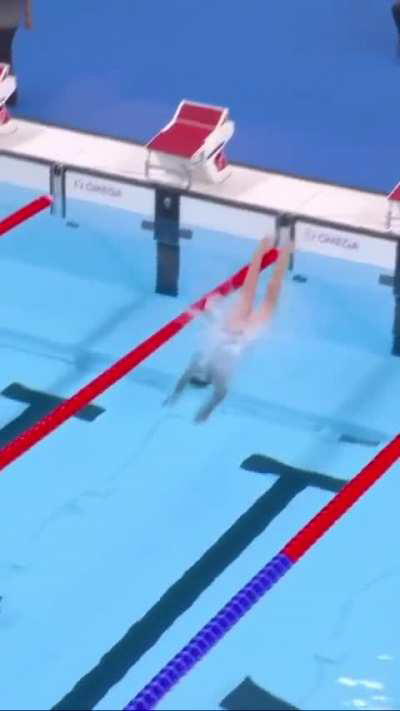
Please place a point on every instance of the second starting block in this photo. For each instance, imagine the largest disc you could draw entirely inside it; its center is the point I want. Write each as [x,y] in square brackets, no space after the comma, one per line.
[192,144]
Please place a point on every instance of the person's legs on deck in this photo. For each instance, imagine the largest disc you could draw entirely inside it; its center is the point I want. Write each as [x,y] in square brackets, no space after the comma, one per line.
[6,40]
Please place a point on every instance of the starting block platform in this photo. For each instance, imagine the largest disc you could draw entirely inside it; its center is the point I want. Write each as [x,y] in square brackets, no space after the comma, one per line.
[8,85]
[393,206]
[192,144]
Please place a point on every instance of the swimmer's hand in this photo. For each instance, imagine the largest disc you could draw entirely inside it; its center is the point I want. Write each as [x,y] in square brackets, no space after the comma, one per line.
[202,415]
[179,388]
[217,397]
[170,400]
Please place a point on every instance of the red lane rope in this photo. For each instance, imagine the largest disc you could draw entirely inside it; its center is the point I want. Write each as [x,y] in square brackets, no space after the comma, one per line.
[344,500]
[25,213]
[69,407]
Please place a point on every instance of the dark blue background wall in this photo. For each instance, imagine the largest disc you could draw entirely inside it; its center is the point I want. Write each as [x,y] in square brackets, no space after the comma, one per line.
[314,85]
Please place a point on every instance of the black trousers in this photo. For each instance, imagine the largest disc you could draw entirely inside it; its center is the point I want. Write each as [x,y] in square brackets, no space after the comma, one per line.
[396,15]
[6,41]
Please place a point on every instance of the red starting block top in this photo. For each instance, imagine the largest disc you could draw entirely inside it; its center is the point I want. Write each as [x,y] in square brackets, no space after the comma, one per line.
[187,132]
[395,193]
[204,115]
[180,139]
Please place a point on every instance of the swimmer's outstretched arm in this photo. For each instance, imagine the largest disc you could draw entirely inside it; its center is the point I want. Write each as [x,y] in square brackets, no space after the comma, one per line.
[184,380]
[180,386]
[220,391]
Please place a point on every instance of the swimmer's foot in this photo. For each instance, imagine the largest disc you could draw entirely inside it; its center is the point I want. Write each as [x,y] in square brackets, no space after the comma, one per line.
[265,245]
[289,247]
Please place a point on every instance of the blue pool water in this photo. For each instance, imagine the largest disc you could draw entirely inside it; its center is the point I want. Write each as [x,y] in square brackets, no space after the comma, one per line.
[122,536]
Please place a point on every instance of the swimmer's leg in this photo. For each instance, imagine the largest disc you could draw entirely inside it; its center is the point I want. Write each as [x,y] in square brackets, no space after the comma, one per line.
[219,393]
[274,288]
[243,309]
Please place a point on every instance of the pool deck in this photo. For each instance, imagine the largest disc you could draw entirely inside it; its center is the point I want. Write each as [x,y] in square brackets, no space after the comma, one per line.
[246,186]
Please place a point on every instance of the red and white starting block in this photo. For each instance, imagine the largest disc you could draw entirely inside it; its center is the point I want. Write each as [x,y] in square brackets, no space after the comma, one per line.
[8,85]
[192,144]
[393,206]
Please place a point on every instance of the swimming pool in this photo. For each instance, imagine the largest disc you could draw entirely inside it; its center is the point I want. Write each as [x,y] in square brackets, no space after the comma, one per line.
[127,529]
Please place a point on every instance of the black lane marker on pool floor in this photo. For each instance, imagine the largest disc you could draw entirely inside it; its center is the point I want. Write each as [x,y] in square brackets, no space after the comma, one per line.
[146,632]
[350,439]
[260,464]
[248,696]
[39,405]
[386,280]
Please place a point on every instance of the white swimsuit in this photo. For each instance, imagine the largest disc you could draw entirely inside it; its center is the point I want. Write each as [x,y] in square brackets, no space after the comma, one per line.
[224,346]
